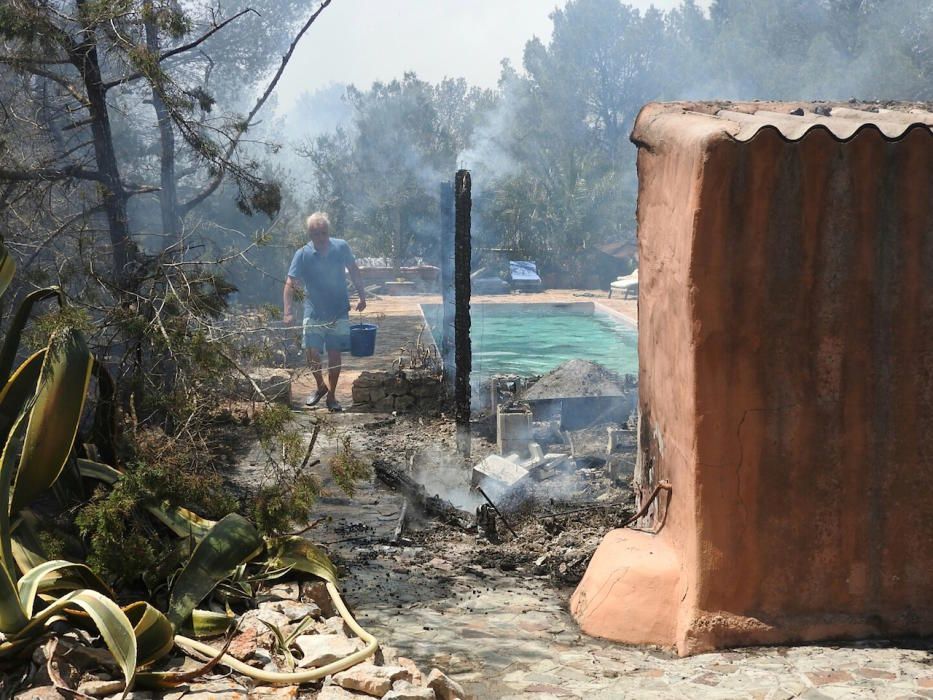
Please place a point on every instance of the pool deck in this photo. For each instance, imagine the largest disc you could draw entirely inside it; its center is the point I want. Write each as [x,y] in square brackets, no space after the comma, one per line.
[401,323]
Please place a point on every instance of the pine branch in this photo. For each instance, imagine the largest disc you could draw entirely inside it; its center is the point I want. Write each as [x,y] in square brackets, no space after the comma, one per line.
[218,178]
[180,49]
[49,174]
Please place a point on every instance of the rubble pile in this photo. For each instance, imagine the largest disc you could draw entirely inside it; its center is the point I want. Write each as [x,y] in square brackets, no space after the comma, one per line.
[561,496]
[578,379]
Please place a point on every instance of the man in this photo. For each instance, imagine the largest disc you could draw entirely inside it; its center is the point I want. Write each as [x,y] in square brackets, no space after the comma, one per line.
[319,268]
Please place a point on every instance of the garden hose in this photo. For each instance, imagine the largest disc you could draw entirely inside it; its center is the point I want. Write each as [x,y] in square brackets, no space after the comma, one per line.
[294,678]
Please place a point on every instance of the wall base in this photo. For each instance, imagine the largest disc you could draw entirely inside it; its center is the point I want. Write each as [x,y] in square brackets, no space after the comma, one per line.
[633,593]
[629,591]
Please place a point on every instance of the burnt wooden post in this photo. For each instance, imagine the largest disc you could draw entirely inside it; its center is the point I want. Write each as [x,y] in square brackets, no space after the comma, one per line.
[447,283]
[462,350]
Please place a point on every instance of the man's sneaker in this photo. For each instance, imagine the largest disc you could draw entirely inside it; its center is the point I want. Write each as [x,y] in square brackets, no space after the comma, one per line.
[334,406]
[316,397]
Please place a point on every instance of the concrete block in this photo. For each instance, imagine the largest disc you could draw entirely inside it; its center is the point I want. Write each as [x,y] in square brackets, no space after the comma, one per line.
[497,472]
[513,430]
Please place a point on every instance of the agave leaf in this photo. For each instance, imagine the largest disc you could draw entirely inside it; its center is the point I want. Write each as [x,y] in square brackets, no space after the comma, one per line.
[300,554]
[12,618]
[207,623]
[155,635]
[28,554]
[11,341]
[27,549]
[17,391]
[182,521]
[95,470]
[30,584]
[305,623]
[54,418]
[232,541]
[7,268]
[7,460]
[114,627]
[282,644]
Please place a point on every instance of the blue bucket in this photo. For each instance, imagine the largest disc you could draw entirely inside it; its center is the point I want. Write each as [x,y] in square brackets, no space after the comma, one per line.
[363,339]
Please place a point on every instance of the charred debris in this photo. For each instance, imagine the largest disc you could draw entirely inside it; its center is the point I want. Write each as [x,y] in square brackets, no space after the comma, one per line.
[553,480]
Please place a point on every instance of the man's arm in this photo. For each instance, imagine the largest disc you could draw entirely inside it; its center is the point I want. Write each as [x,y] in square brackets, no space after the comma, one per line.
[288,297]
[357,280]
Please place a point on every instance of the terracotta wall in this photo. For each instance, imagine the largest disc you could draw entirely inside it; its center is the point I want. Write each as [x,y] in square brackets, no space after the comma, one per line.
[786,342]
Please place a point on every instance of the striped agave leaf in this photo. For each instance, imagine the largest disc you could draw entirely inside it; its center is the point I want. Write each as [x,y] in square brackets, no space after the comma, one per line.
[231,542]
[54,418]
[7,268]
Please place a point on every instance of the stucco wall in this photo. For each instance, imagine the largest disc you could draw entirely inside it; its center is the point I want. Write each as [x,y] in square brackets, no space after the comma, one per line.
[786,342]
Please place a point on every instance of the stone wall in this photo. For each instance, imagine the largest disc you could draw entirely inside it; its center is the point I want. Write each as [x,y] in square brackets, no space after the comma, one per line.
[405,391]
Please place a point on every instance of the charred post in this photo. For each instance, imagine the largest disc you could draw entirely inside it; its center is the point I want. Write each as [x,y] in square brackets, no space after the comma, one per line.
[462,350]
[447,281]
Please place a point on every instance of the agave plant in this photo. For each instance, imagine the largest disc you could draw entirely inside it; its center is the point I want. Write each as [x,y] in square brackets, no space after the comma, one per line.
[41,406]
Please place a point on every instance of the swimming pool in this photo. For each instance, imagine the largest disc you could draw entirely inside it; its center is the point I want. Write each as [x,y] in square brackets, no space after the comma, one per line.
[528,339]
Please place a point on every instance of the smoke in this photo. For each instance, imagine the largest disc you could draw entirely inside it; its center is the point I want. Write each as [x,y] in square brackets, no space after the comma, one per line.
[488,156]
[442,474]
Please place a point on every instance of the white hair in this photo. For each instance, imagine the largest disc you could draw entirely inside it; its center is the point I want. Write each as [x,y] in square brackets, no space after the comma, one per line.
[317,220]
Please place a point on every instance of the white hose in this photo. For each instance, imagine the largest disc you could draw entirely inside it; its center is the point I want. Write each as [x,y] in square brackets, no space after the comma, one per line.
[277,678]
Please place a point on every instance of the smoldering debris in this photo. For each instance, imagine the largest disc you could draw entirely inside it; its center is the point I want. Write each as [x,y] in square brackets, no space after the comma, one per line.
[545,524]
[415,494]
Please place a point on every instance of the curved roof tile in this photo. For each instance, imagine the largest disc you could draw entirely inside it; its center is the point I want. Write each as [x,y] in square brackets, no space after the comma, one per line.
[795,120]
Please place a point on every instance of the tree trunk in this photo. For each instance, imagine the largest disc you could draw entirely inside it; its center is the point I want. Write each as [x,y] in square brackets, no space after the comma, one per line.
[397,245]
[113,196]
[168,195]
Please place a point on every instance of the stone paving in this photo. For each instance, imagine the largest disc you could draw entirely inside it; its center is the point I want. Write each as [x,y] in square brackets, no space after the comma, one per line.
[505,636]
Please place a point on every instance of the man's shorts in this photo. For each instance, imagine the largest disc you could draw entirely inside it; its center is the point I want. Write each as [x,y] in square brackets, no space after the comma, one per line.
[329,335]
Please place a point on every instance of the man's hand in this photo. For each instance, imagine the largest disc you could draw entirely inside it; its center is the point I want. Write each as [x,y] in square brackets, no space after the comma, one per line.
[288,318]
[361,305]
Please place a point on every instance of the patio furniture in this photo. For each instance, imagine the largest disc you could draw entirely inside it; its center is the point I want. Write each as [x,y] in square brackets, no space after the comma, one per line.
[523,275]
[627,284]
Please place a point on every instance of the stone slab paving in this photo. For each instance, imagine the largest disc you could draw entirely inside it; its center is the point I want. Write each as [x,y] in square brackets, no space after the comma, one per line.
[504,636]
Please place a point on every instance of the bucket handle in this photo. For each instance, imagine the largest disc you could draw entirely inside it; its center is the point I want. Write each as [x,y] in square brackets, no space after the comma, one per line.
[376,317]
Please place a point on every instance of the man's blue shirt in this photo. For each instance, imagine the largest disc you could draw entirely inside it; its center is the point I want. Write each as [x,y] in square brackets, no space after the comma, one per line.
[324,279]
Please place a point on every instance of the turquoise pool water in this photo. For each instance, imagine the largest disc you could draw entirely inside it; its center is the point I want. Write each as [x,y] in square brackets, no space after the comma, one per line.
[527,339]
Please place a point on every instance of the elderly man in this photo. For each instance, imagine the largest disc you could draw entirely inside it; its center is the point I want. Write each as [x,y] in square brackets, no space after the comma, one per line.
[319,268]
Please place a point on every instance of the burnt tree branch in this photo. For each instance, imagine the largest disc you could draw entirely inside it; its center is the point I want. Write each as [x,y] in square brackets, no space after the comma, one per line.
[180,49]
[212,186]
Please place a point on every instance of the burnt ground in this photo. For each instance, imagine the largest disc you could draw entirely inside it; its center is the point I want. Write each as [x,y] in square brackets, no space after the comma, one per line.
[557,522]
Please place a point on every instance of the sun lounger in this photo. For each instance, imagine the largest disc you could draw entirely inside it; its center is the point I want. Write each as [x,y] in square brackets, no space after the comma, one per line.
[628,285]
[523,275]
